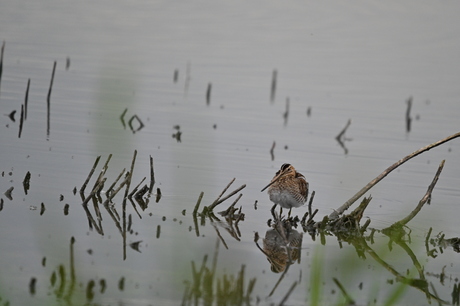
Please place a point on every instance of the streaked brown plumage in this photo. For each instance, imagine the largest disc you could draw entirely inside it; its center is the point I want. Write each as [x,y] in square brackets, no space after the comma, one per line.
[276,248]
[288,188]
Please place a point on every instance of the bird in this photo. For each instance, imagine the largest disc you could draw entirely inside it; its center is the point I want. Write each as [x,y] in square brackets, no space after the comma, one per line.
[288,188]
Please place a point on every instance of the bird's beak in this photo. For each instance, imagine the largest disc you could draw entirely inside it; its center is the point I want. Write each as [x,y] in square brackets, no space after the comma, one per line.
[274,180]
[271,183]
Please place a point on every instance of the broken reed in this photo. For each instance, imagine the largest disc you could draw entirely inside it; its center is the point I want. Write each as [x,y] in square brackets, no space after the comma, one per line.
[111,191]
[381,176]
[1,62]
[219,200]
[48,101]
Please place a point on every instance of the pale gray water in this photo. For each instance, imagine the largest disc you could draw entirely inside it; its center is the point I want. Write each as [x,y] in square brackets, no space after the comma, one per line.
[359,61]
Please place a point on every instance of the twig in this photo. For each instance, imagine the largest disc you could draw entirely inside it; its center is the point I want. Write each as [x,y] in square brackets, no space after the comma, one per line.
[113,194]
[94,191]
[48,101]
[223,191]
[82,189]
[211,207]
[197,205]
[348,298]
[347,204]
[115,182]
[1,61]
[26,100]
[230,208]
[425,197]
[103,170]
[21,120]
[288,293]
[130,195]
[152,175]
[219,235]
[128,183]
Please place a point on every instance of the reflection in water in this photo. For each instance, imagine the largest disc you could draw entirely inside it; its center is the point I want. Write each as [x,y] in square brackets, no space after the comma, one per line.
[341,137]
[282,250]
[123,223]
[207,288]
[134,129]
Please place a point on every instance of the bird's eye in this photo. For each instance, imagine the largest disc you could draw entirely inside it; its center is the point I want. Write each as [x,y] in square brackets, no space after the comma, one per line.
[285,166]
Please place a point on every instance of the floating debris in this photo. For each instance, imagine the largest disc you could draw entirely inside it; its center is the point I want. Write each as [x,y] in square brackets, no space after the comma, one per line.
[42,209]
[26,182]
[158,197]
[32,207]
[1,204]
[273,87]
[11,116]
[272,150]
[341,137]
[67,63]
[158,231]
[66,209]
[61,198]
[408,117]
[208,94]
[121,284]
[178,133]
[141,124]
[135,245]
[32,285]
[187,78]
[44,262]
[176,76]
[89,290]
[122,118]
[309,111]
[286,112]
[103,285]
[8,193]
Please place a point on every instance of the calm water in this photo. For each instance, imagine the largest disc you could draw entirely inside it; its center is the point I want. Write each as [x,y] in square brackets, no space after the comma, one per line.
[358,61]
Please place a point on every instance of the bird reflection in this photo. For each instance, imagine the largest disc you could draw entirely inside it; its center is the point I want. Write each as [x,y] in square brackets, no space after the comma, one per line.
[282,246]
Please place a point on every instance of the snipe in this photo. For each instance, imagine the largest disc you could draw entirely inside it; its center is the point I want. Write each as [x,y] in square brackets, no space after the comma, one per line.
[288,188]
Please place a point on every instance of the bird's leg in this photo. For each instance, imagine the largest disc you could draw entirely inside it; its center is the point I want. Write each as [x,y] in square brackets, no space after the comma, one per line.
[273,211]
[281,211]
[289,213]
